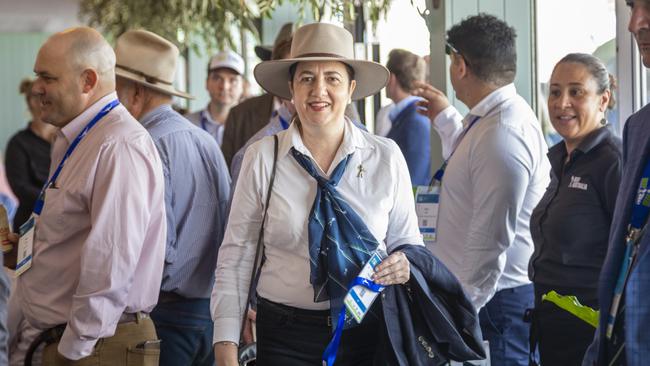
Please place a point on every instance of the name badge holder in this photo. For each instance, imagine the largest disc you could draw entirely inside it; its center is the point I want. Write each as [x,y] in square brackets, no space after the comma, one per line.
[427,198]
[427,203]
[25,246]
[361,294]
[636,229]
[26,241]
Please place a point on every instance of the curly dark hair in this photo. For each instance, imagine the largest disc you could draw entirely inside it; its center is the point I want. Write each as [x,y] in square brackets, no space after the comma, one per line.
[487,44]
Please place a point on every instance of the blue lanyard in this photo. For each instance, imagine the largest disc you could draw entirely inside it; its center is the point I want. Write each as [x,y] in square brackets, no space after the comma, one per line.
[203,123]
[640,211]
[329,356]
[283,122]
[441,172]
[38,207]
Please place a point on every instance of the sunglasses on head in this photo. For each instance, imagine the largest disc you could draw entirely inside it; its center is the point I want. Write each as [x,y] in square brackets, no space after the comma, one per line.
[449,48]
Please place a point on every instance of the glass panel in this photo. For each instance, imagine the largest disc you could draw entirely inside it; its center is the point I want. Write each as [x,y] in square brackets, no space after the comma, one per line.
[561,30]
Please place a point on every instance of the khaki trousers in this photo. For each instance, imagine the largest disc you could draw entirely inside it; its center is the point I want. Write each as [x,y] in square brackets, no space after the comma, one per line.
[118,350]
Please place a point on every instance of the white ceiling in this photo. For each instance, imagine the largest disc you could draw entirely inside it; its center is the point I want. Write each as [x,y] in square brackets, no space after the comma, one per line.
[38,15]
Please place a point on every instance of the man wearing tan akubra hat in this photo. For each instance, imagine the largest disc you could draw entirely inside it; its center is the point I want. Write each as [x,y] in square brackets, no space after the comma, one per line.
[197,187]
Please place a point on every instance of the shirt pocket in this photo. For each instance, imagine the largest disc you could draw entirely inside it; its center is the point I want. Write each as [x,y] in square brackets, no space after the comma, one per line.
[52,225]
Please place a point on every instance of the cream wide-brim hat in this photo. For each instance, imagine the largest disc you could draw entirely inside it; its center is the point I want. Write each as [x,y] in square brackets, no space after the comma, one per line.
[148,59]
[321,42]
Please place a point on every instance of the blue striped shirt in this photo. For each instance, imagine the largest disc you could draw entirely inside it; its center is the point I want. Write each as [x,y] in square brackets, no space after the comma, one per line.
[197,189]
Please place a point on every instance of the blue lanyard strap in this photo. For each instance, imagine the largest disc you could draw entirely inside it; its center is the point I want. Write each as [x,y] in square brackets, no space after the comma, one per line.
[329,356]
[638,219]
[284,123]
[38,207]
[437,177]
[203,122]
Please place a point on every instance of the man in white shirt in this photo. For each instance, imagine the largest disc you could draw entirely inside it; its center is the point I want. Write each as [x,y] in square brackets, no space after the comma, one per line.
[225,84]
[496,172]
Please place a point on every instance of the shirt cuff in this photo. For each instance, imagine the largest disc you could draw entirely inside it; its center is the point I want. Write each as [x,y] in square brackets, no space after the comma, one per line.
[74,348]
[226,330]
[448,116]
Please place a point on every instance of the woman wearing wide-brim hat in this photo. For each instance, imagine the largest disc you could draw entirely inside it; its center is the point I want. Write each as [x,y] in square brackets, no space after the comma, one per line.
[339,194]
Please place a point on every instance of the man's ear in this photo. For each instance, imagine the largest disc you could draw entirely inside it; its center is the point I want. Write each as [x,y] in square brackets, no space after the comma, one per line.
[461,66]
[89,80]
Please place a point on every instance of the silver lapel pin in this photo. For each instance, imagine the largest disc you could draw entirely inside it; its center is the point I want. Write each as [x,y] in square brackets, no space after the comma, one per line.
[360,171]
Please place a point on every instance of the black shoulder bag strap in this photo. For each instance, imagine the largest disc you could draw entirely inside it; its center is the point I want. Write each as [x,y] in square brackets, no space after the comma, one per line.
[260,241]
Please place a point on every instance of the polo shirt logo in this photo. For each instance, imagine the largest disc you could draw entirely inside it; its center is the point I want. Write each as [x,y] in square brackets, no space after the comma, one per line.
[575,183]
[642,195]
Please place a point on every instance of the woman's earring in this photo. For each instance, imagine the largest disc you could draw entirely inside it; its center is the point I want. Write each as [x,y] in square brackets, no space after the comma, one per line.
[603,121]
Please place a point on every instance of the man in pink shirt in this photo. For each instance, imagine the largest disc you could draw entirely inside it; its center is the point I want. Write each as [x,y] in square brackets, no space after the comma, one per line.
[99,229]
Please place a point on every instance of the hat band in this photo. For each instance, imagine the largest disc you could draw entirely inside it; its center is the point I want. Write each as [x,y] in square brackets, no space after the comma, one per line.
[147,78]
[333,55]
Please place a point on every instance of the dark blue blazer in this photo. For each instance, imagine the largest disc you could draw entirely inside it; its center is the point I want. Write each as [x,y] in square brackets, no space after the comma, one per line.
[428,321]
[636,150]
[412,133]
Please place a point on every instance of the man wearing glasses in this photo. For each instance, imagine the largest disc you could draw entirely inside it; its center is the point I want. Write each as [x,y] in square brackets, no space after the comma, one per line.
[495,172]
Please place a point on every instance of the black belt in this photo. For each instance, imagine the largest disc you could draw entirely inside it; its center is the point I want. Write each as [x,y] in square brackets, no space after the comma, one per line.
[166,297]
[48,337]
[54,334]
[297,315]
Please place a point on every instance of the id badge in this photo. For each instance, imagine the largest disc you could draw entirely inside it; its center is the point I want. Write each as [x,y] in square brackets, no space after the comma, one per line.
[359,298]
[427,200]
[25,246]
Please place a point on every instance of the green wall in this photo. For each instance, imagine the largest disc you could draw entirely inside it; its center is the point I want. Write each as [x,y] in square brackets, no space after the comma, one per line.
[18,52]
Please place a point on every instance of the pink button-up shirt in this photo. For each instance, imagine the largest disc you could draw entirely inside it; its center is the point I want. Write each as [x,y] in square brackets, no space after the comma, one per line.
[99,244]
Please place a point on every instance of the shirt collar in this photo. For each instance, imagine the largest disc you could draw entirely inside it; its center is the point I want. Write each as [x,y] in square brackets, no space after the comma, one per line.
[557,153]
[493,99]
[154,113]
[206,114]
[74,127]
[353,139]
[594,139]
[401,105]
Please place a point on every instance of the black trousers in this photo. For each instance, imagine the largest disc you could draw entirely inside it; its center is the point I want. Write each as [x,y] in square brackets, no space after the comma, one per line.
[290,336]
[562,337]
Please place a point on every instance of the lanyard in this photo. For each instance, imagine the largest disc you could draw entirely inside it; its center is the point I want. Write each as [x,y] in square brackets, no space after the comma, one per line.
[204,122]
[283,122]
[329,356]
[441,172]
[38,207]
[636,228]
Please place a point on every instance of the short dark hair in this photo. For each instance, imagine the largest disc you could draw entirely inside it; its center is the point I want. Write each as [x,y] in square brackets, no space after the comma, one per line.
[596,68]
[488,46]
[407,68]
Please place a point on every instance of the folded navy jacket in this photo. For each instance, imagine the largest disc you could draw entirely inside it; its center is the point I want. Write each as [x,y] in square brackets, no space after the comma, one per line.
[429,320]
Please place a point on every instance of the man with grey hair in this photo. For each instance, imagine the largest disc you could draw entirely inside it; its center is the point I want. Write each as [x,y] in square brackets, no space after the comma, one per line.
[90,259]
[197,188]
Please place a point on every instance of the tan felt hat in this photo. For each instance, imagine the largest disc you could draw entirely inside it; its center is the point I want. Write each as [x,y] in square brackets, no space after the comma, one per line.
[321,42]
[148,59]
